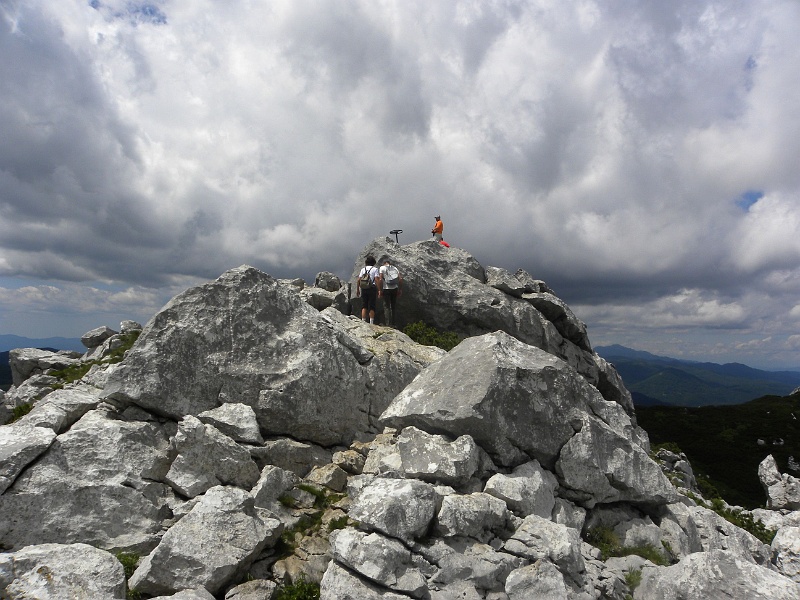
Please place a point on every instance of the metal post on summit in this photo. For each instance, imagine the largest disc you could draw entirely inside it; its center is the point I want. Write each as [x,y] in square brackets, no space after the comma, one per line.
[396,233]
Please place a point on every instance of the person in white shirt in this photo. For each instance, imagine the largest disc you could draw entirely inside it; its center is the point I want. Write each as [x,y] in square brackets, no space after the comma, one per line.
[390,286]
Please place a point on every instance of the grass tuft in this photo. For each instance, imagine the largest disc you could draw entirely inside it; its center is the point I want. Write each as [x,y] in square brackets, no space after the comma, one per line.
[430,336]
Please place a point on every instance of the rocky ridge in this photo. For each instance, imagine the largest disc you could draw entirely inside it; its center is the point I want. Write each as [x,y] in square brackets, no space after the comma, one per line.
[255,435]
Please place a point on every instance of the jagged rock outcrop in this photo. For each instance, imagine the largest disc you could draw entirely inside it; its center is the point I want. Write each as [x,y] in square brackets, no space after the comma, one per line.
[25,362]
[248,439]
[449,289]
[783,490]
[521,403]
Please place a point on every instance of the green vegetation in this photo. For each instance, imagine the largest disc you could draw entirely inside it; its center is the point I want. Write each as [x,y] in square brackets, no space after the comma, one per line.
[604,539]
[129,561]
[20,411]
[338,523]
[73,373]
[722,442]
[633,579]
[298,590]
[430,336]
[737,517]
[309,522]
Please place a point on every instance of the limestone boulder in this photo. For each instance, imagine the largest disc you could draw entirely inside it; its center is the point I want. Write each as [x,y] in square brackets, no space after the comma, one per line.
[527,490]
[515,400]
[340,583]
[98,484]
[237,421]
[783,490]
[61,571]
[209,547]
[599,465]
[62,408]
[786,552]
[429,457]
[716,574]
[465,565]
[521,403]
[205,458]
[537,538]
[477,515]
[20,445]
[540,580]
[246,338]
[399,508]
[382,560]
[25,362]
[95,337]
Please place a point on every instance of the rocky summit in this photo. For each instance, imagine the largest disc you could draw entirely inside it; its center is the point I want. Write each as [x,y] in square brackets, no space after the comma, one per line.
[256,438]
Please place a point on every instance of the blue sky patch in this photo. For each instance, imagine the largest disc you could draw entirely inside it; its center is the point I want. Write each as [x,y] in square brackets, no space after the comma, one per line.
[135,12]
[747,199]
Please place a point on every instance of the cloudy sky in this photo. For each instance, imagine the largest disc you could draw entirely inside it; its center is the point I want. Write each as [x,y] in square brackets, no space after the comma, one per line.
[640,156]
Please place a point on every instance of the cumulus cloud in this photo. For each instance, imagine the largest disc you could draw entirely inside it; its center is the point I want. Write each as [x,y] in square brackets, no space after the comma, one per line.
[640,157]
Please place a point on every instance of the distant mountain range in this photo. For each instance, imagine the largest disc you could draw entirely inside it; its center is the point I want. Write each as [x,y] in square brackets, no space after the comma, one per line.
[9,342]
[661,381]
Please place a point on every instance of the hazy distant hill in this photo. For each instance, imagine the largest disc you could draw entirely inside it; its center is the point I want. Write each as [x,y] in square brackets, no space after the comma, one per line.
[658,380]
[727,443]
[9,342]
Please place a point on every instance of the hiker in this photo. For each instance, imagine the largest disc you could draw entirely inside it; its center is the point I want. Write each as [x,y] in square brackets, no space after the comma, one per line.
[438,229]
[365,287]
[390,286]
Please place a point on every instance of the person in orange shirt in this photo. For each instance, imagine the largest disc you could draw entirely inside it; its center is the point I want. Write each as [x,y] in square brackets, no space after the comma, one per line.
[438,229]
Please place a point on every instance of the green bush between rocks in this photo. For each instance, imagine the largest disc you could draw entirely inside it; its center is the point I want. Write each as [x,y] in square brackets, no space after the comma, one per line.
[430,336]
[73,373]
[298,590]
[604,539]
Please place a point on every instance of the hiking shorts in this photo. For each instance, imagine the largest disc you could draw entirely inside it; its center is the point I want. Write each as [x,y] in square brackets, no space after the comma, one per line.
[369,297]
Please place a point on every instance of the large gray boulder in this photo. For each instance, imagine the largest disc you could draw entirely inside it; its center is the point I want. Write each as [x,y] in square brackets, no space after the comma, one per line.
[786,552]
[521,403]
[207,458]
[95,484]
[60,409]
[19,445]
[25,362]
[783,490]
[383,560]
[398,508]
[209,547]
[246,338]
[54,571]
[715,575]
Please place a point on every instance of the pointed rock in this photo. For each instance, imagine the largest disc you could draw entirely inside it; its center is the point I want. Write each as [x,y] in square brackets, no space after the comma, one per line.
[209,547]
[61,571]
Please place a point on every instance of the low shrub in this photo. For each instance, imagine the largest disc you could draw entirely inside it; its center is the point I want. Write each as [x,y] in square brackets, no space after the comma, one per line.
[430,336]
[73,373]
[604,539]
[298,590]
[20,411]
[633,579]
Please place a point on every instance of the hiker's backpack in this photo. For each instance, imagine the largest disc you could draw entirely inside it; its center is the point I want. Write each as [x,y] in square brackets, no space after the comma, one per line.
[365,281]
[392,276]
